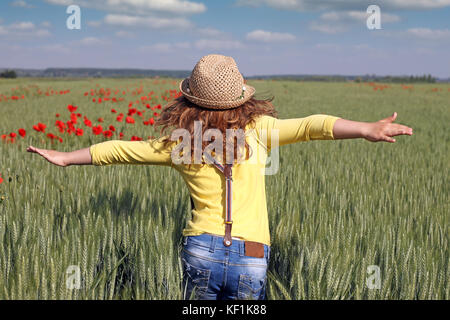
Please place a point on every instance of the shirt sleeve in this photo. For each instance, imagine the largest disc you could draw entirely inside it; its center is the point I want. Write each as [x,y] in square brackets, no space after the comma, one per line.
[313,127]
[131,152]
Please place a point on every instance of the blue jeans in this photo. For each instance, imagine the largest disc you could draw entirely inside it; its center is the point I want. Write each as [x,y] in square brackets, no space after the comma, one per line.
[212,271]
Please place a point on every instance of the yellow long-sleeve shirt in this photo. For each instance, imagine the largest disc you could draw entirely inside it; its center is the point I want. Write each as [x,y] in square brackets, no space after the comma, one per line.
[207,185]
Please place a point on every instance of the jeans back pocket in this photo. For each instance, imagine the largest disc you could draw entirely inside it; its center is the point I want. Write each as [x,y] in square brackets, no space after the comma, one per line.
[251,288]
[195,281]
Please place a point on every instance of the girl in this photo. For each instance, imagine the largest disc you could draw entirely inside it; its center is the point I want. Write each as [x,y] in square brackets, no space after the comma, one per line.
[226,244]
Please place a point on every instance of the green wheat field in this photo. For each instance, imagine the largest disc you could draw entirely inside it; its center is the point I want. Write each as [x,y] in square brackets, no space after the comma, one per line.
[335,207]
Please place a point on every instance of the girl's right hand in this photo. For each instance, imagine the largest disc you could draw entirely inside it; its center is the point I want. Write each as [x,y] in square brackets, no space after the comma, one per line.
[52,156]
[385,129]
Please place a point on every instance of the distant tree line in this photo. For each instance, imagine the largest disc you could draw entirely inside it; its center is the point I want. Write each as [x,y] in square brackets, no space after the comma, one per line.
[8,74]
[399,79]
[340,78]
[142,73]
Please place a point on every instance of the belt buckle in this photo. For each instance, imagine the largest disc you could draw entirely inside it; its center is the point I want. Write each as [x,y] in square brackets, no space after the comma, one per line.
[254,249]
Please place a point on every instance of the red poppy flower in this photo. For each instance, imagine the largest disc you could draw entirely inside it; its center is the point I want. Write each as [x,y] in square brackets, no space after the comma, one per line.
[97,130]
[13,135]
[87,122]
[51,136]
[71,127]
[4,136]
[72,108]
[107,133]
[121,135]
[79,132]
[1,179]
[100,119]
[22,132]
[57,115]
[151,121]
[73,118]
[112,128]
[130,120]
[113,111]
[135,138]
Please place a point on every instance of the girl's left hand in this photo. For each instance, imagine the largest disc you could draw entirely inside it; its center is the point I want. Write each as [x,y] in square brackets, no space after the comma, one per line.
[52,156]
[385,129]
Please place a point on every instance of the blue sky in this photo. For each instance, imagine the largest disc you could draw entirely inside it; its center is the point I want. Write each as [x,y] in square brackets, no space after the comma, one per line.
[264,36]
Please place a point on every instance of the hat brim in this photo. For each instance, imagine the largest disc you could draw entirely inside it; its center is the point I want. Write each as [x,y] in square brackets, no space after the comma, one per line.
[222,105]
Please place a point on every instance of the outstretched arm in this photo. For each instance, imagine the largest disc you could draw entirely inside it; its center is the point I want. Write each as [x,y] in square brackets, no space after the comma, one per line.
[111,152]
[382,130]
[64,159]
[327,127]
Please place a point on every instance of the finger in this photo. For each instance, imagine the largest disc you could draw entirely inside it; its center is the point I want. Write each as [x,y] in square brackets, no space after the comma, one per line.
[388,139]
[390,118]
[40,152]
[32,149]
[401,129]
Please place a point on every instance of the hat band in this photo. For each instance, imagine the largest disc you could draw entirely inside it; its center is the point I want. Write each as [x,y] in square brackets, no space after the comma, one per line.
[188,90]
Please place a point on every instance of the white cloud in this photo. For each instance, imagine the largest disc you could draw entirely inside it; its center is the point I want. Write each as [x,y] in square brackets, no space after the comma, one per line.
[356,16]
[326,28]
[429,34]
[125,34]
[139,7]
[23,29]
[339,21]
[209,32]
[164,47]
[151,22]
[94,23]
[40,33]
[418,34]
[215,44]
[268,36]
[26,25]
[313,5]
[61,2]
[21,4]
[91,41]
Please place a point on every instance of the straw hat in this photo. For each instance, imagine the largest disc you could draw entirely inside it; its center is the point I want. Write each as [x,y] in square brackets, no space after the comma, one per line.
[216,83]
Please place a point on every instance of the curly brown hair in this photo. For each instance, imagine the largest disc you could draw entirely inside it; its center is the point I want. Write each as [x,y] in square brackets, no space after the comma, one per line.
[180,113]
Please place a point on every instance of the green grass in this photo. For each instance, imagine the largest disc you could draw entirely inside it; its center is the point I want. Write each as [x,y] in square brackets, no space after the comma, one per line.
[335,207]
